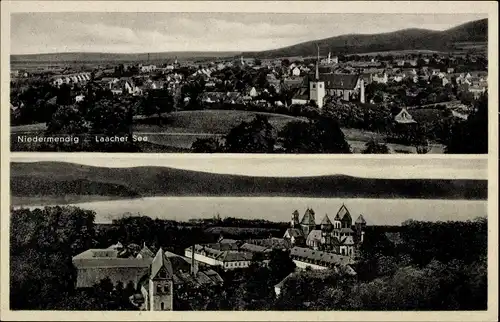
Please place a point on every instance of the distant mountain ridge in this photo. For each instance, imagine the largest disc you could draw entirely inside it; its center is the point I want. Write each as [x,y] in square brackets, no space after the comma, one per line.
[112,57]
[59,179]
[407,39]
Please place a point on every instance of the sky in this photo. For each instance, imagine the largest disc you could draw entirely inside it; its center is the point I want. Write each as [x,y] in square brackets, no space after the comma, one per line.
[139,32]
[288,166]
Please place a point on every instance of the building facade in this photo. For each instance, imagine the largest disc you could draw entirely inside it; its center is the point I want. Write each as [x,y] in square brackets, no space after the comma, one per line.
[339,236]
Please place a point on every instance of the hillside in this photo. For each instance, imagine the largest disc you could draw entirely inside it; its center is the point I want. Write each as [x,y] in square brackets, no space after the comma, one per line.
[59,179]
[408,39]
[114,57]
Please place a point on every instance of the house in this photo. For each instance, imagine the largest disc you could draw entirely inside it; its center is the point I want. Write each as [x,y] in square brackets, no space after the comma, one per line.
[380,78]
[71,78]
[271,243]
[293,82]
[252,92]
[147,68]
[320,260]
[477,90]
[93,265]
[398,78]
[233,98]
[404,117]
[413,62]
[79,98]
[295,71]
[212,97]
[116,89]
[330,60]
[210,84]
[157,277]
[435,71]
[226,256]
[278,287]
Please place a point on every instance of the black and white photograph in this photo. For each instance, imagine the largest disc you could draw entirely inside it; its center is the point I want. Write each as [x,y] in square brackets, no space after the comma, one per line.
[249,161]
[224,82]
[144,234]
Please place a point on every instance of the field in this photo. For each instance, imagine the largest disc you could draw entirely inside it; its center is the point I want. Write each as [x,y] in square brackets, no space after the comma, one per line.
[178,130]
[208,121]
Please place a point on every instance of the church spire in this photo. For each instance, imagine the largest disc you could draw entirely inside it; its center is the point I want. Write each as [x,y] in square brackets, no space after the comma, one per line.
[317,64]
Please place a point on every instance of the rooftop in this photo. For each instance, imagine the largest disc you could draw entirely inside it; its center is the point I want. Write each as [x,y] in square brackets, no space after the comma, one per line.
[321,256]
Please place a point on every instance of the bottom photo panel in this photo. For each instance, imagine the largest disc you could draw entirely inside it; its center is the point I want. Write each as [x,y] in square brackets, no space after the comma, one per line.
[207,233]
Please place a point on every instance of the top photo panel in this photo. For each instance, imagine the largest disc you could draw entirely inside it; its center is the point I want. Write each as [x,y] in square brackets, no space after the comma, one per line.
[249,83]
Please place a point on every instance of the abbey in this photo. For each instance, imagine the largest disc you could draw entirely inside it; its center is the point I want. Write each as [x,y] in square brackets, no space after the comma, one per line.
[338,237]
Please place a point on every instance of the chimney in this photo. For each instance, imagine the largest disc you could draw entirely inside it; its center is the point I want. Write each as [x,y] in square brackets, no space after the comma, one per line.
[194,263]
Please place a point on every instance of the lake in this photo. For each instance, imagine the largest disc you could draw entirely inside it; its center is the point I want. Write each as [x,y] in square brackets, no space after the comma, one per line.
[375,211]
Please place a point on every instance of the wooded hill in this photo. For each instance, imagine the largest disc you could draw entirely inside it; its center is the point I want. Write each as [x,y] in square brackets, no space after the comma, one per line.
[58,179]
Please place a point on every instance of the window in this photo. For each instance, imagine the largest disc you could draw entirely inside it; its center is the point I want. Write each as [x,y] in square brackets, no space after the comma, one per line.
[165,288]
[158,288]
[320,85]
[314,85]
[162,306]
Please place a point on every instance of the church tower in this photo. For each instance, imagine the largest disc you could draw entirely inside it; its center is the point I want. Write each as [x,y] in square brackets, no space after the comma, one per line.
[317,87]
[161,284]
[326,232]
[362,90]
[360,225]
[345,216]
[308,222]
[337,226]
[294,222]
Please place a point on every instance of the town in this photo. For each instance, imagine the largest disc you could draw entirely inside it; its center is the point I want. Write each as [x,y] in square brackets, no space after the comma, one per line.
[332,246]
[406,102]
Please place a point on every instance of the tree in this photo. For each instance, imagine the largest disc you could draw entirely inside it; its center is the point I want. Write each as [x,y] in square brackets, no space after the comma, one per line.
[157,102]
[256,136]
[280,265]
[322,135]
[372,147]
[64,95]
[210,145]
[67,120]
[285,63]
[471,136]
[193,91]
[42,243]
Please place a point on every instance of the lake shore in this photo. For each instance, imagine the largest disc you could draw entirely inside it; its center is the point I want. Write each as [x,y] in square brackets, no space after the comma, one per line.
[279,209]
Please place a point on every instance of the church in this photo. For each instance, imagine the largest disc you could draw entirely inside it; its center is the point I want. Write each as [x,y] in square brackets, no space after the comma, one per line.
[338,237]
[347,87]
